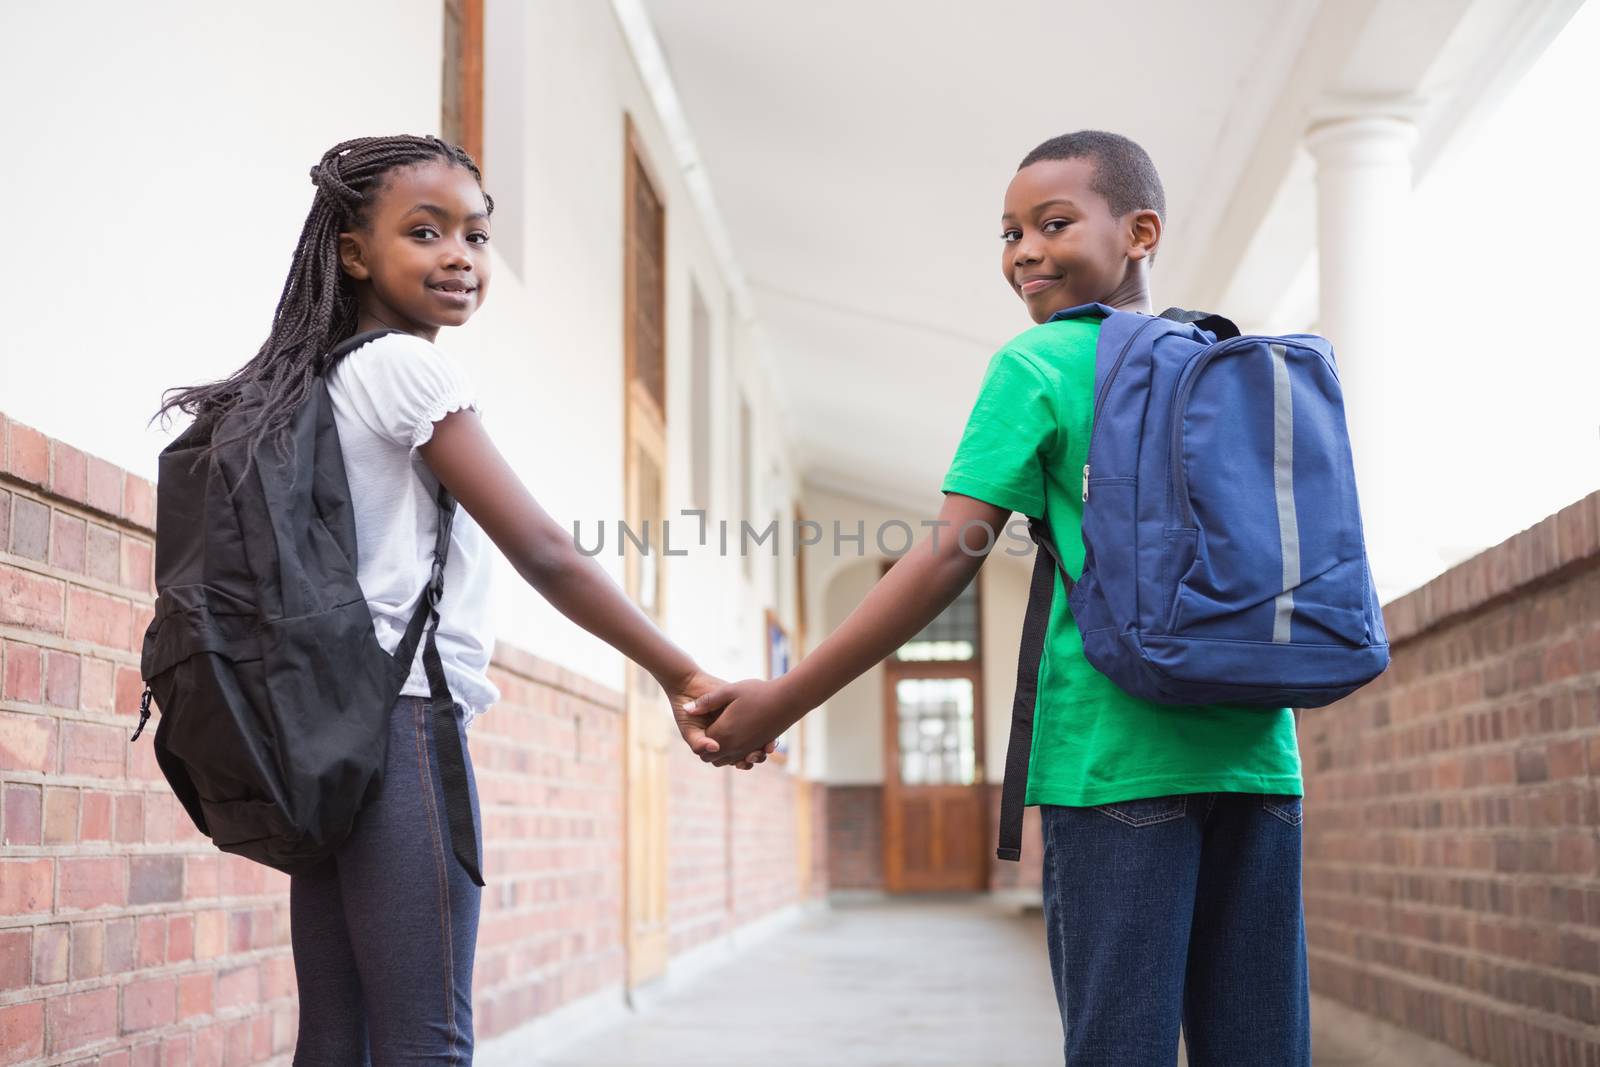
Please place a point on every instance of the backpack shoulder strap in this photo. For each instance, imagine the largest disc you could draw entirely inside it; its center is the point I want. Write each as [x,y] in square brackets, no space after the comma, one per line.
[1035,627]
[1216,325]
[353,342]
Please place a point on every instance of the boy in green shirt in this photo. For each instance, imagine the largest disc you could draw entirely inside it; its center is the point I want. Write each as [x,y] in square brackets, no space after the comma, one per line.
[1171,834]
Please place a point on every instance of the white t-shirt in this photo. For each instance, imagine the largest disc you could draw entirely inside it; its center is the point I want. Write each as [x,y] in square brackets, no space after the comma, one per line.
[387,395]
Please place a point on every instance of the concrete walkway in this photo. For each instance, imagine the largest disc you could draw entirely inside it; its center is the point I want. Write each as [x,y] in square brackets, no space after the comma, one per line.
[883,983]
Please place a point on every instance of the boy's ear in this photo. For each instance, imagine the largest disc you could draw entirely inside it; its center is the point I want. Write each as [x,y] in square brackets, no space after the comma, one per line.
[352,257]
[1144,234]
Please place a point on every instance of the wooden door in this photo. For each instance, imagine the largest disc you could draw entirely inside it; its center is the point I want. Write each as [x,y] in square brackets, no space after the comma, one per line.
[649,726]
[935,805]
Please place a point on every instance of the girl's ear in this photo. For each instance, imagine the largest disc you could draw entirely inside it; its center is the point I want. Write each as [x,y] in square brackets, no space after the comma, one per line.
[353,257]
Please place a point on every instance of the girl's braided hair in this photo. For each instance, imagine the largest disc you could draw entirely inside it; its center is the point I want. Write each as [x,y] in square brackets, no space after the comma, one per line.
[317,309]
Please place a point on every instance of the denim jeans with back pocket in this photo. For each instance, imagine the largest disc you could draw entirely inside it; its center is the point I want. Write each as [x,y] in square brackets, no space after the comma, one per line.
[1179,911]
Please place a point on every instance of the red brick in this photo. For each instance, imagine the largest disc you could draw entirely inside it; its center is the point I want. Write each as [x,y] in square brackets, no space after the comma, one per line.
[130,686]
[175,1051]
[280,983]
[152,934]
[95,824]
[81,1019]
[50,954]
[1566,758]
[122,946]
[26,885]
[30,529]
[5,508]
[241,1042]
[99,685]
[92,750]
[139,622]
[105,486]
[28,455]
[210,934]
[62,679]
[180,938]
[98,618]
[238,987]
[139,501]
[22,1030]
[104,550]
[16,958]
[31,601]
[148,1004]
[128,818]
[69,472]
[158,808]
[68,547]
[24,816]
[60,816]
[208,1047]
[155,879]
[24,673]
[195,994]
[88,950]
[93,882]
[27,742]
[138,565]
[200,877]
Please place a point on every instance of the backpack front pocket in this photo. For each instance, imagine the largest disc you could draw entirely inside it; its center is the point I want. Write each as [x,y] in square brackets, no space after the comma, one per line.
[1261,472]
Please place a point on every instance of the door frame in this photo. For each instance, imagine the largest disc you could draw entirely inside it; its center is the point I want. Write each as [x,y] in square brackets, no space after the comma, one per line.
[894,671]
[646,926]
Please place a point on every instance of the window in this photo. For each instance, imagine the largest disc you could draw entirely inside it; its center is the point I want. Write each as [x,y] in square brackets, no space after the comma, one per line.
[935,683]
[647,278]
[462,120]
[950,637]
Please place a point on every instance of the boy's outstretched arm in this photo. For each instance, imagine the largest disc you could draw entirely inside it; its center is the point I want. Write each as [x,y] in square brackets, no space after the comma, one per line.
[463,458]
[911,595]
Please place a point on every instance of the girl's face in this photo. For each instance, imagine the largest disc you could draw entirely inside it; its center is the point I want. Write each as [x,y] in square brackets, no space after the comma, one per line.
[422,261]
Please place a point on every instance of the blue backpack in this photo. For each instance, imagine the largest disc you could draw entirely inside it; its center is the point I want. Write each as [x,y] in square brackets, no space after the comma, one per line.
[1224,561]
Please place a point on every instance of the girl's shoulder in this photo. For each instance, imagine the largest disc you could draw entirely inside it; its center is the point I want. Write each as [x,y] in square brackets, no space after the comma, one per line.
[396,353]
[400,385]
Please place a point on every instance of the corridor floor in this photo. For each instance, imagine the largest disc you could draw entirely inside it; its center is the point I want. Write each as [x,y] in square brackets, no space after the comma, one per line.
[931,983]
[958,982]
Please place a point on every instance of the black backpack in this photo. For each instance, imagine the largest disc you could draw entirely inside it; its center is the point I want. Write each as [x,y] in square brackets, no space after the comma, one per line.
[273,690]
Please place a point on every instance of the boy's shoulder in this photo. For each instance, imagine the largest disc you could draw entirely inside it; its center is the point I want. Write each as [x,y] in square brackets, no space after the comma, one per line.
[1050,346]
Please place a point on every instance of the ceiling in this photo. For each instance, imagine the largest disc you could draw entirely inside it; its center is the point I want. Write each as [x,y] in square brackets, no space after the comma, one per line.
[858,151]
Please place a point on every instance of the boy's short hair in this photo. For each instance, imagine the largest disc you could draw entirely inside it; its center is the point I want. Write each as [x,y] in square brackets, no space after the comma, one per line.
[1123,172]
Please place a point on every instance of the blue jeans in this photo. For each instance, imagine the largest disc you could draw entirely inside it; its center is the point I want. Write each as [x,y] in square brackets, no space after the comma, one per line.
[1179,910]
[384,932]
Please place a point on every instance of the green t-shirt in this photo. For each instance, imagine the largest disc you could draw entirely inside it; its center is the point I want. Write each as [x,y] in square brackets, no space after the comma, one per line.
[1024,449]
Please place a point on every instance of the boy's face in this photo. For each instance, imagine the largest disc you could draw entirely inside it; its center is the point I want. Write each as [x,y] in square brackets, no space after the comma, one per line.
[1063,247]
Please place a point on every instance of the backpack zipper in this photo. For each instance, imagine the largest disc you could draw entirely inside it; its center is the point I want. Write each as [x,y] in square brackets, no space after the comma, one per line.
[1100,397]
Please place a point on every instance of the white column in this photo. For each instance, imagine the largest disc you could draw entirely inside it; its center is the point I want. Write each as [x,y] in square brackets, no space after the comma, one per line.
[1363,194]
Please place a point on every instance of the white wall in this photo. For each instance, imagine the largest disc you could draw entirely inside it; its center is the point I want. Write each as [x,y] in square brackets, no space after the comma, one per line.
[162,182]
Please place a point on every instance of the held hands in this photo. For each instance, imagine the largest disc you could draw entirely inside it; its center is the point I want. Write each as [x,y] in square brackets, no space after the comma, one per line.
[744,716]
[693,720]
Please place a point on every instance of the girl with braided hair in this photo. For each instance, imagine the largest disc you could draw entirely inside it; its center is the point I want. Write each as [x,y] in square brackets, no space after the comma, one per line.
[398,238]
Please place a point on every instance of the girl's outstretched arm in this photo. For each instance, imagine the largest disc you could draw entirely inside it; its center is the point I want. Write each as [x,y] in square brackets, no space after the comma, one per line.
[467,463]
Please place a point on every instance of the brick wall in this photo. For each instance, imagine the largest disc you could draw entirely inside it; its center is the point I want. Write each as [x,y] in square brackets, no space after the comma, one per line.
[855,842]
[1452,810]
[855,836]
[126,939]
